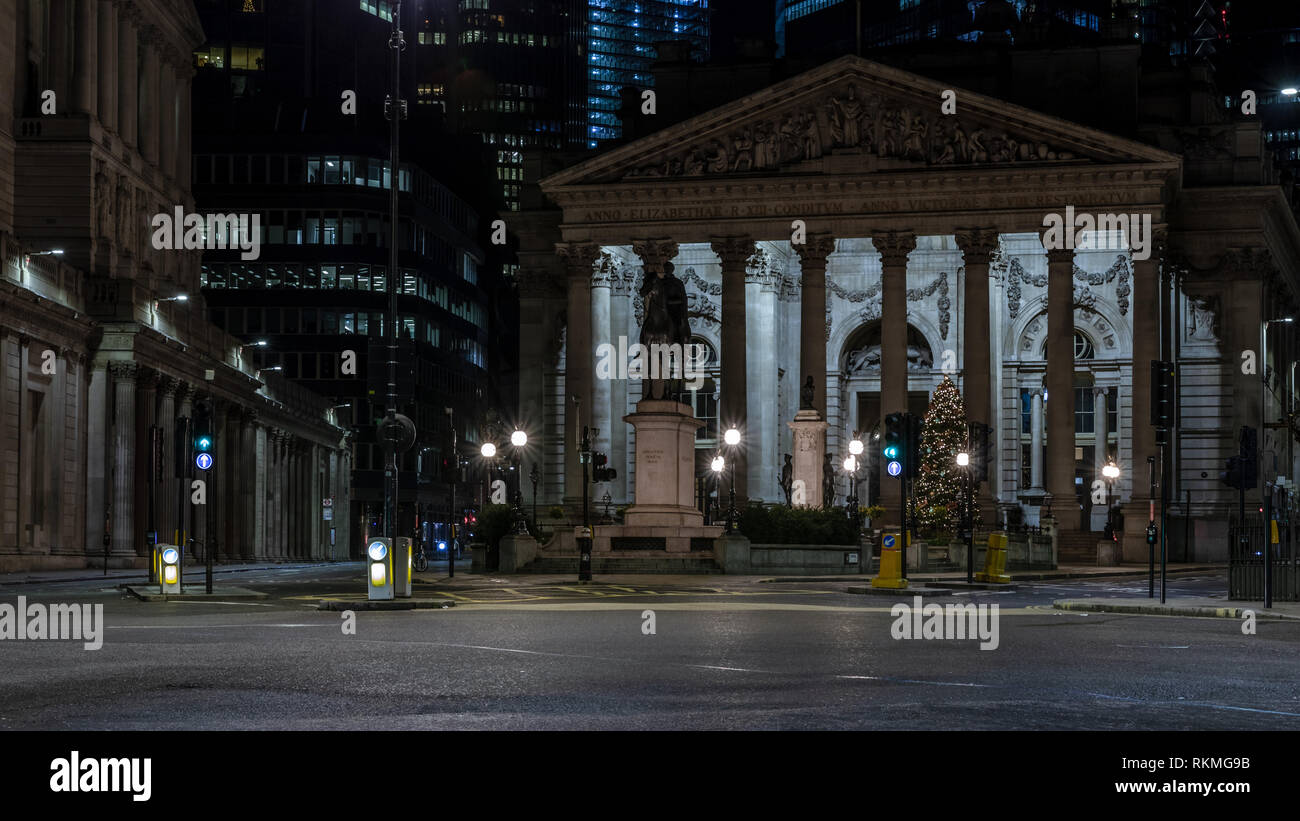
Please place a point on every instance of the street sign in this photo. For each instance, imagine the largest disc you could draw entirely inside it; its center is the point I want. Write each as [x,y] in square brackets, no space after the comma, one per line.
[203,461]
[894,468]
[327,502]
[889,540]
[581,532]
[329,514]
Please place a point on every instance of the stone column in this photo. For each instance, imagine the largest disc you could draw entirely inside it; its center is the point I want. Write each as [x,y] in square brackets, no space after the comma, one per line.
[733,407]
[1142,437]
[578,259]
[106,71]
[149,108]
[98,457]
[58,59]
[1100,428]
[128,86]
[186,523]
[286,499]
[147,403]
[1036,440]
[763,420]
[124,450]
[248,484]
[218,481]
[602,411]
[812,314]
[977,247]
[622,320]
[166,498]
[184,134]
[1060,385]
[894,248]
[167,113]
[85,89]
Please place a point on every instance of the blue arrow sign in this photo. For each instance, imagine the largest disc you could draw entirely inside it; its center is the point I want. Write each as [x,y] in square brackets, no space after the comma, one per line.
[894,468]
[889,540]
[203,461]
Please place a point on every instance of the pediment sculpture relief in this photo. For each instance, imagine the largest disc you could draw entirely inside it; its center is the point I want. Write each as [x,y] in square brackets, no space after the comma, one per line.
[849,119]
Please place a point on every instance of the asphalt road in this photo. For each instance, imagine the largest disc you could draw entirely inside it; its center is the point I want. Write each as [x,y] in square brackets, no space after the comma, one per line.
[544,653]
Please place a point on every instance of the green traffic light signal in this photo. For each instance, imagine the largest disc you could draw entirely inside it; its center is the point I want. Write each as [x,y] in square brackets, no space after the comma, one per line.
[891,452]
[203,444]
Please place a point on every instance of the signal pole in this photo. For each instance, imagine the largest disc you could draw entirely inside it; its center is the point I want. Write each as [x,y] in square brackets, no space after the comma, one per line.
[394,110]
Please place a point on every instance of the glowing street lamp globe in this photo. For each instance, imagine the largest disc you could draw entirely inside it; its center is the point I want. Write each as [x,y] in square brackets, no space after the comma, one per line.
[963,459]
[731,437]
[519,439]
[488,450]
[855,446]
[718,464]
[1110,471]
[850,464]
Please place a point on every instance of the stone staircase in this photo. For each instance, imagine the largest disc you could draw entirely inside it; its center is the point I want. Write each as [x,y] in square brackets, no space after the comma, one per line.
[1076,547]
[611,565]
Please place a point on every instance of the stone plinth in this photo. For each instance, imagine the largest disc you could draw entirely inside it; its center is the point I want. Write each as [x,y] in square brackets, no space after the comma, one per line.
[809,453]
[665,465]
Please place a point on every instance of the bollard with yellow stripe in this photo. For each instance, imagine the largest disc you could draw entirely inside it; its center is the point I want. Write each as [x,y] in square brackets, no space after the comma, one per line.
[995,560]
[891,563]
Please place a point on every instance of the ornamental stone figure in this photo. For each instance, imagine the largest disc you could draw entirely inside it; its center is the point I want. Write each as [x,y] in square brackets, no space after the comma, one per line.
[787,479]
[666,323]
[807,394]
[828,482]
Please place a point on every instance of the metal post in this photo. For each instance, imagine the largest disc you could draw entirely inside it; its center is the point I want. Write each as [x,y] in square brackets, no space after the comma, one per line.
[1164,504]
[1151,513]
[584,544]
[210,527]
[1268,545]
[902,482]
[970,526]
[391,479]
[154,458]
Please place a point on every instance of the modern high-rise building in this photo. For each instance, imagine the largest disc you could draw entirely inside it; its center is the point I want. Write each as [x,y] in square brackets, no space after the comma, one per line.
[620,48]
[275,135]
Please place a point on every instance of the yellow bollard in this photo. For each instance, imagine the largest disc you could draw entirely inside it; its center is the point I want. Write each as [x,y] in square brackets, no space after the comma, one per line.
[995,560]
[891,563]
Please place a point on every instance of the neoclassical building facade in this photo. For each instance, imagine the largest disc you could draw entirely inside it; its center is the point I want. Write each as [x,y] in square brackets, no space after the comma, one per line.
[103,337]
[841,225]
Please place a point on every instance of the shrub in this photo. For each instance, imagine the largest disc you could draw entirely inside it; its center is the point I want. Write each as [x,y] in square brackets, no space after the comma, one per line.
[494,521]
[782,525]
[557,512]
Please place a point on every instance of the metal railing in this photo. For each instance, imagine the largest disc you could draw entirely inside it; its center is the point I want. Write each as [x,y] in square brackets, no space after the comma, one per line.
[1246,555]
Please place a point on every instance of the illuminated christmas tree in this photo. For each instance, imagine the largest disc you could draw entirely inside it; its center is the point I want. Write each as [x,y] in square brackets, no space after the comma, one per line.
[939,482]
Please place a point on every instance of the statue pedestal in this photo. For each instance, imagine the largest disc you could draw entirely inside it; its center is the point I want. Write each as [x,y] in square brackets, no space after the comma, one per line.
[665,465]
[809,452]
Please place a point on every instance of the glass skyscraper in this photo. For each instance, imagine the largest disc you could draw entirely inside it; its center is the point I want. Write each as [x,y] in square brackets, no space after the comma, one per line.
[620,49]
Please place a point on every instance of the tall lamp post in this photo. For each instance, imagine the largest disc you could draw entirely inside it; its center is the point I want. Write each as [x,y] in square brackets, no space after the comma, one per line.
[719,464]
[963,462]
[732,440]
[1111,473]
[855,452]
[518,440]
[534,476]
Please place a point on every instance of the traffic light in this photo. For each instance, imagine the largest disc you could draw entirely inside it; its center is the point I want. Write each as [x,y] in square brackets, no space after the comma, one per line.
[379,554]
[1163,389]
[599,471]
[895,443]
[1232,476]
[913,459]
[203,438]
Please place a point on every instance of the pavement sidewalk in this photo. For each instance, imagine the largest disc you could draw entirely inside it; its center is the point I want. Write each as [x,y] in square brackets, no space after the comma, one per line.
[1065,571]
[123,575]
[1182,606]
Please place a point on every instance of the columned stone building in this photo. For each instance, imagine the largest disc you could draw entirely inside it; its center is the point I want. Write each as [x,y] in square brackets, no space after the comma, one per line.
[103,336]
[840,225]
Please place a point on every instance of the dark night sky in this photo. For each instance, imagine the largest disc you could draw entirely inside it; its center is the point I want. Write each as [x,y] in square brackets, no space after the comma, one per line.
[754,19]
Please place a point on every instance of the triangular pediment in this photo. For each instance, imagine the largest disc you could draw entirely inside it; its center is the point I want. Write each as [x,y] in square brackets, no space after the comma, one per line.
[855,116]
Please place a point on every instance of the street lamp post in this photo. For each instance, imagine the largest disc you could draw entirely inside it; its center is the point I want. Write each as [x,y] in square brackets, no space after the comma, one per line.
[1111,474]
[518,440]
[855,451]
[534,476]
[718,465]
[732,439]
[967,521]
